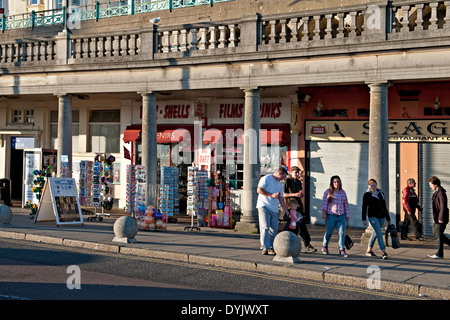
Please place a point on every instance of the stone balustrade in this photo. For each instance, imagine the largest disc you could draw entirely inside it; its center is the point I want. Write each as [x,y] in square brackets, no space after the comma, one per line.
[368,25]
[27,51]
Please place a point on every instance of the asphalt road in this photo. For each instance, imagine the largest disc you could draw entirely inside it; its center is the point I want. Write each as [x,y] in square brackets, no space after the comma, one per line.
[34,271]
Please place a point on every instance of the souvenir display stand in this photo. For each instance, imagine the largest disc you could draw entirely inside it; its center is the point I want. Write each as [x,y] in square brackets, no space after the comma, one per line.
[170,183]
[220,204]
[145,201]
[198,195]
[85,185]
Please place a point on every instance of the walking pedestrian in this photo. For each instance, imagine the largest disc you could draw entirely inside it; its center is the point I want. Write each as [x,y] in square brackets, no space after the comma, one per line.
[293,191]
[440,216]
[374,207]
[335,212]
[410,204]
[270,194]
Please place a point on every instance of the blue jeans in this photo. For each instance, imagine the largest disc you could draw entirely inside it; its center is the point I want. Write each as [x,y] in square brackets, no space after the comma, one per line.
[268,227]
[332,222]
[377,224]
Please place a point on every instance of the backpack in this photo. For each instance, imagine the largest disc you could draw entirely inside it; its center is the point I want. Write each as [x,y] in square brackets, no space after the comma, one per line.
[391,237]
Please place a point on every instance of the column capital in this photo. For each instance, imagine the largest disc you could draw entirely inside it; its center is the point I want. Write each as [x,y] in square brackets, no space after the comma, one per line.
[250,89]
[379,83]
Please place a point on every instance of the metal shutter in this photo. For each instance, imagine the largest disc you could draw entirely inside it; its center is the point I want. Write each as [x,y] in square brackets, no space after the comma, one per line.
[348,160]
[434,161]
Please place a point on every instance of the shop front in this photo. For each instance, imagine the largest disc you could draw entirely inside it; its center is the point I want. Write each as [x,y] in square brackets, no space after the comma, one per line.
[212,137]
[418,149]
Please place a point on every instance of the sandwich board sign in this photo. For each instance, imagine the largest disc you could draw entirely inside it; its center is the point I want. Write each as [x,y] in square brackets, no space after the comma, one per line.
[59,202]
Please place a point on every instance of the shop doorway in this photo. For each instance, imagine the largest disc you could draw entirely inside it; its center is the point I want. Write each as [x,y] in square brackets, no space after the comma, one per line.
[16,174]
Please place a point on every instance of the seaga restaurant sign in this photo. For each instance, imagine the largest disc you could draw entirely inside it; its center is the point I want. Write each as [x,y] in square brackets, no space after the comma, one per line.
[398,130]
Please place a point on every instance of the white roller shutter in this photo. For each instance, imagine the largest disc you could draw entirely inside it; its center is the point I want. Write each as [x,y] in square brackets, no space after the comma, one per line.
[434,161]
[348,160]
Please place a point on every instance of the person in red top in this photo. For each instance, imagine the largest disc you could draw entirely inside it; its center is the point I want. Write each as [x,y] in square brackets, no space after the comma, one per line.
[410,204]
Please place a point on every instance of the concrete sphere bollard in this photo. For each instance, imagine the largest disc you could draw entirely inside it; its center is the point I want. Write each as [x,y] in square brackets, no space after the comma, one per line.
[5,215]
[125,229]
[287,246]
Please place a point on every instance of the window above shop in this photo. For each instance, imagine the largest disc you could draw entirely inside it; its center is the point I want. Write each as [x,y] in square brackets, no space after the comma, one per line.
[20,116]
[105,116]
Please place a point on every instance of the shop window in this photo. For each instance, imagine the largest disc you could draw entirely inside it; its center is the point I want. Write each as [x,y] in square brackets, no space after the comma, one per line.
[104,131]
[54,129]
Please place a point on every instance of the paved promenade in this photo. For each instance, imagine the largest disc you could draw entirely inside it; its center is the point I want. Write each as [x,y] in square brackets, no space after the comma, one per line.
[407,269]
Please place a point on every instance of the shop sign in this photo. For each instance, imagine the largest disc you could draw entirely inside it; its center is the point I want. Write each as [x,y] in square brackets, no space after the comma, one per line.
[168,111]
[232,111]
[398,130]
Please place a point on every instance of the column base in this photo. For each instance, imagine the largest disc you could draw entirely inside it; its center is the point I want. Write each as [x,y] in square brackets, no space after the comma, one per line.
[247,227]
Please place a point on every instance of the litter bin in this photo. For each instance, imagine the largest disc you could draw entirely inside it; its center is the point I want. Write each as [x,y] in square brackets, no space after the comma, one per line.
[5,191]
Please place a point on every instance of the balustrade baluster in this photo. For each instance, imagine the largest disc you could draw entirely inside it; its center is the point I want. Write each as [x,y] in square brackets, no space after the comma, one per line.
[328,29]
[132,45]
[194,41]
[116,46]
[340,28]
[124,45]
[184,40]
[101,47]
[166,42]
[212,38]
[405,21]
[232,39]
[316,35]
[352,32]
[222,39]
[419,18]
[203,44]
[433,19]
[176,41]
[11,52]
[305,29]
[273,31]
[283,33]
[86,48]
[108,46]
[447,15]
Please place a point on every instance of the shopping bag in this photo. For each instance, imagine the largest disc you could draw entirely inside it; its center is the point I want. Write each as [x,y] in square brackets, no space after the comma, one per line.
[391,237]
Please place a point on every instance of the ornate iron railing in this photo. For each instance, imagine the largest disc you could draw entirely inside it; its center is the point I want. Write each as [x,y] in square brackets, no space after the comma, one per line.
[98,11]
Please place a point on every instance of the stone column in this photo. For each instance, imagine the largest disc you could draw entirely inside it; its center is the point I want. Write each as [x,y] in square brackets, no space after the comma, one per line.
[378,142]
[149,144]
[64,132]
[249,219]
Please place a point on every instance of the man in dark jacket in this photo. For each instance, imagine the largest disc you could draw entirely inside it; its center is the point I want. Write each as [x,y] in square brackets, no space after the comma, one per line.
[440,216]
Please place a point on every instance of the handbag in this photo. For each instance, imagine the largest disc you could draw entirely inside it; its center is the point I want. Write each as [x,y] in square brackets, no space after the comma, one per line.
[348,240]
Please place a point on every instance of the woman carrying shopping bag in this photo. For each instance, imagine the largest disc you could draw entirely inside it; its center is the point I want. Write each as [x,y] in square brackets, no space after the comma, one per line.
[374,207]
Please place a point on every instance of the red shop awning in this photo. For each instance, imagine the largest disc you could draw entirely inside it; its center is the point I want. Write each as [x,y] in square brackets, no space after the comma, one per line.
[132,133]
[165,134]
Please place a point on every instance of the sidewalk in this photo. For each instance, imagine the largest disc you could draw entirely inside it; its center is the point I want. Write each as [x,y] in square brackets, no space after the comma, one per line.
[407,269]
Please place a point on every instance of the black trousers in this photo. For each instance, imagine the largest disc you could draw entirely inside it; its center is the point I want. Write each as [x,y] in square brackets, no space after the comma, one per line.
[301,230]
[410,219]
[438,230]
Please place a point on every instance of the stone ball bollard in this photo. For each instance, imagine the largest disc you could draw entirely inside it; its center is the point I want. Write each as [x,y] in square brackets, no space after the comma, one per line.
[287,246]
[125,229]
[5,216]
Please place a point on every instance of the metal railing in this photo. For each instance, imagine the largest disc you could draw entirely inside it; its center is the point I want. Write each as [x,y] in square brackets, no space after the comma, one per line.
[96,12]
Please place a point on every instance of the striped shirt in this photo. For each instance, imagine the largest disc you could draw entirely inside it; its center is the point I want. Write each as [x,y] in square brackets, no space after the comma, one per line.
[338,206]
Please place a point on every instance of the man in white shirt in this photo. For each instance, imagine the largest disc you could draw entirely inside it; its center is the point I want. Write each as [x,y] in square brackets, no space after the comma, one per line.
[270,194]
